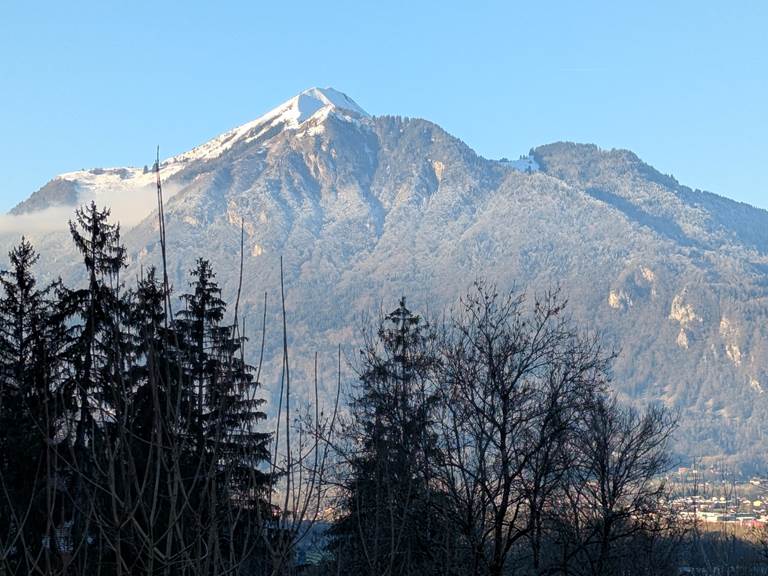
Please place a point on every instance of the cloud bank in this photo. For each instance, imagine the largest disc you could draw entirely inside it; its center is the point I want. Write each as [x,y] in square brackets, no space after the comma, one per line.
[128,206]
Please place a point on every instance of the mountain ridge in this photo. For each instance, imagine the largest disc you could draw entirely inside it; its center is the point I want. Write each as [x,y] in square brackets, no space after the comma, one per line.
[364,209]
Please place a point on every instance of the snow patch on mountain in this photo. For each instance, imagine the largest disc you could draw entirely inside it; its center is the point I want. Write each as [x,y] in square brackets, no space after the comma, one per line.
[290,115]
[523,164]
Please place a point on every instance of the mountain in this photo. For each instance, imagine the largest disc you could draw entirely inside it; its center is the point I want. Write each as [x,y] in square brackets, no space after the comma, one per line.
[363,209]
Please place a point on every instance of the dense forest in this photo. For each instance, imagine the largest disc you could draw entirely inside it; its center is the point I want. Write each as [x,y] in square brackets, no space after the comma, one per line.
[134,438]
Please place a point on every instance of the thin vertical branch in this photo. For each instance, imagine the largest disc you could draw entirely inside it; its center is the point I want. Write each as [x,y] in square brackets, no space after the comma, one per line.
[287,369]
[161,228]
[240,276]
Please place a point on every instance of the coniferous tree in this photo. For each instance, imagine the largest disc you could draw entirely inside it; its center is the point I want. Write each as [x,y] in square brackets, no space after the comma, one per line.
[199,324]
[225,449]
[29,409]
[158,396]
[96,344]
[95,312]
[20,309]
[390,523]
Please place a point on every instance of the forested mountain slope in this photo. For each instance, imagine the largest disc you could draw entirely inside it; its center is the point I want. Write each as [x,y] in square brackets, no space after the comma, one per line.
[364,209]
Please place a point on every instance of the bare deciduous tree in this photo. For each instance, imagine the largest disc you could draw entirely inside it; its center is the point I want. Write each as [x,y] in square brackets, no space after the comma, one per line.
[615,491]
[514,381]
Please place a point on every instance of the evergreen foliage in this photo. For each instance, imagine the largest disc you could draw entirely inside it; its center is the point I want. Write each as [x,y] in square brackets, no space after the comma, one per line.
[391,522]
[130,441]
[30,341]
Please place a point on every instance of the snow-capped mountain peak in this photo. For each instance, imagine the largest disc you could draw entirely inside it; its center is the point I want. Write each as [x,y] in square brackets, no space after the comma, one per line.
[290,115]
[295,113]
[303,106]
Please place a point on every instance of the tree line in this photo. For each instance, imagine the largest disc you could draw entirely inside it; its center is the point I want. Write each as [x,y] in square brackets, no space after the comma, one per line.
[134,440]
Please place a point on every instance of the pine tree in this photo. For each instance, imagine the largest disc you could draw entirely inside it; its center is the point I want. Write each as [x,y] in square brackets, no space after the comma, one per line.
[198,324]
[96,312]
[158,397]
[226,450]
[29,371]
[389,524]
[223,407]
[95,352]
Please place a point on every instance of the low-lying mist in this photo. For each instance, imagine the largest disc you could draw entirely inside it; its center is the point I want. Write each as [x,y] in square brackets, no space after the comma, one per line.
[128,206]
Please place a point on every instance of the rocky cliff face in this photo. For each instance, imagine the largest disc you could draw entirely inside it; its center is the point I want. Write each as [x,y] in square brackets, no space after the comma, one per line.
[365,209]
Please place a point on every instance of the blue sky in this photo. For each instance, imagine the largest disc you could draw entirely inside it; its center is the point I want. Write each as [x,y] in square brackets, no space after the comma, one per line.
[683,84]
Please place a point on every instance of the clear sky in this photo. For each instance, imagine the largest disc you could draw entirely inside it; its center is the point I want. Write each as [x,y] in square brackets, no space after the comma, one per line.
[684,84]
